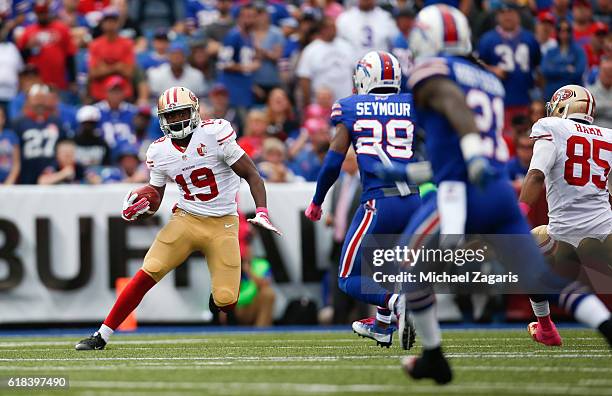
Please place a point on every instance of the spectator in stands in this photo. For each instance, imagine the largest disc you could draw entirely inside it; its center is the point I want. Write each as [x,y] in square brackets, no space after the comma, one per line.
[219,28]
[255,129]
[198,14]
[564,64]
[27,78]
[110,55]
[255,305]
[70,15]
[91,148]
[117,115]
[582,21]
[595,48]
[65,169]
[219,102]
[142,129]
[523,147]
[177,72]
[399,45]
[237,61]
[545,31]
[602,93]
[603,12]
[282,121]
[11,65]
[273,167]
[200,60]
[324,97]
[47,44]
[513,54]
[327,61]
[561,10]
[158,54]
[129,169]
[537,110]
[366,27]
[38,131]
[10,163]
[62,110]
[269,42]
[309,158]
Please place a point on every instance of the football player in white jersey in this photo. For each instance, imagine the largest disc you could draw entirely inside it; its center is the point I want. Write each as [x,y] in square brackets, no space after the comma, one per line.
[206,163]
[572,158]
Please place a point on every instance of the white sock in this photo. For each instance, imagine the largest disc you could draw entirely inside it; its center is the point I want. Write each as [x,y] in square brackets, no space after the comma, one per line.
[383,318]
[591,311]
[391,303]
[540,309]
[105,332]
[427,327]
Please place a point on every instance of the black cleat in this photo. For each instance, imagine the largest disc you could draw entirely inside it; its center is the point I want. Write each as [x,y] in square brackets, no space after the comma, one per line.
[93,342]
[606,330]
[432,365]
[408,334]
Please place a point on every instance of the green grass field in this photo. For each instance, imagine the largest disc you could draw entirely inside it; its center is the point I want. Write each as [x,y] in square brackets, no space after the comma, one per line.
[485,363]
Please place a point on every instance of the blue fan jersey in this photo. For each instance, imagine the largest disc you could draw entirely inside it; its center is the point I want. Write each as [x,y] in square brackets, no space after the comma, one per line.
[484,93]
[385,120]
[519,56]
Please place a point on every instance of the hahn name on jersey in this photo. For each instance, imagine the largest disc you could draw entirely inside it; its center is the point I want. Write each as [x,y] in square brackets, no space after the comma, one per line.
[576,168]
[202,170]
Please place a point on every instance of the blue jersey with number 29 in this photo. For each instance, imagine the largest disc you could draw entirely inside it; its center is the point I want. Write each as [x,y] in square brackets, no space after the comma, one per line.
[484,94]
[385,120]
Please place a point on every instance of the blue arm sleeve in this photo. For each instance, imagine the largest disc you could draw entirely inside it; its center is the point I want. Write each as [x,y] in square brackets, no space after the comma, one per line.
[328,175]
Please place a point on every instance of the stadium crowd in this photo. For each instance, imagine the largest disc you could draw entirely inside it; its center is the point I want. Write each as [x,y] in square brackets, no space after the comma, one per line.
[80,78]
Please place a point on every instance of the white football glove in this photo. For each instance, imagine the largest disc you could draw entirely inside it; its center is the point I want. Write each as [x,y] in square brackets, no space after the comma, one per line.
[262,220]
[131,209]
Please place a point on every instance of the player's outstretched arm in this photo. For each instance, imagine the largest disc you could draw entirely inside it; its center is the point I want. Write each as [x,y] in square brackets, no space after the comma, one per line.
[445,97]
[530,192]
[245,168]
[543,159]
[332,164]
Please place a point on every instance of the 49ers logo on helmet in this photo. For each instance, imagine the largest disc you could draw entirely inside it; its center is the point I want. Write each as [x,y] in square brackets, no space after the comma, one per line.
[192,96]
[563,94]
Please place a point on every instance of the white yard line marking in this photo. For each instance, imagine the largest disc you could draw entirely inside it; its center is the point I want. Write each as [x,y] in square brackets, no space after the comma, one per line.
[501,355]
[257,366]
[313,388]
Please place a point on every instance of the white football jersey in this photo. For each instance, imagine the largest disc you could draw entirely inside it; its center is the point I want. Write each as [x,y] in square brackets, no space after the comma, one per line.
[367,30]
[576,170]
[202,172]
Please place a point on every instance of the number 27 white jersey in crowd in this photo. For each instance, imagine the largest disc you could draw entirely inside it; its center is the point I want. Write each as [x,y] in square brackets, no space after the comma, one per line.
[202,171]
[576,159]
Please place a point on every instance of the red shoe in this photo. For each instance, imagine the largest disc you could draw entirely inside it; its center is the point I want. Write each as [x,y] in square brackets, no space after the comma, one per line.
[549,337]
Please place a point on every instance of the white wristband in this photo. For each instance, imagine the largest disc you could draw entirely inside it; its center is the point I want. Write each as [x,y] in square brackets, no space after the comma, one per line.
[471,146]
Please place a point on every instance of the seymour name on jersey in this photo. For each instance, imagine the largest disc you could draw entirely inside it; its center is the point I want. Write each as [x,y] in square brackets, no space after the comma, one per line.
[382,108]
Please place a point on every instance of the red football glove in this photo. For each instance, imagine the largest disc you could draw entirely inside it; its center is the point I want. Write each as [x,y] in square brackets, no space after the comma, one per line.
[313,212]
[131,209]
[262,220]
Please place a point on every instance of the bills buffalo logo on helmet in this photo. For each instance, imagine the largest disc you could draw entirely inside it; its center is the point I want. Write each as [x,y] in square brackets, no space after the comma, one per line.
[364,66]
[563,95]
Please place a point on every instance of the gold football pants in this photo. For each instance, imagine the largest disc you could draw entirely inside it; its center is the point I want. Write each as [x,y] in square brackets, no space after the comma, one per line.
[215,237]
